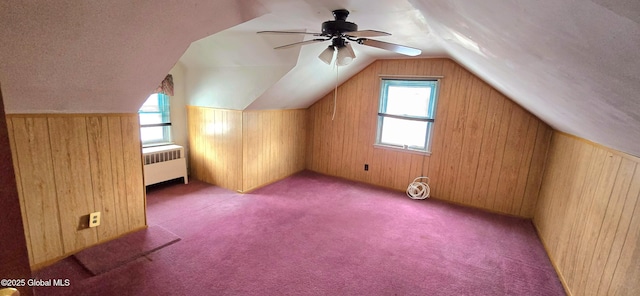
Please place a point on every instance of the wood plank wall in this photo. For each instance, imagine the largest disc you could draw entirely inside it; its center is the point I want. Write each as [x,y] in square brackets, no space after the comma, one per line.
[487,151]
[273,145]
[14,254]
[69,165]
[588,216]
[242,151]
[215,146]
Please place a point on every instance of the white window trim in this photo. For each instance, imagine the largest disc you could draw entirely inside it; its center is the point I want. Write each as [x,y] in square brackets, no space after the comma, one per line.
[397,148]
[429,139]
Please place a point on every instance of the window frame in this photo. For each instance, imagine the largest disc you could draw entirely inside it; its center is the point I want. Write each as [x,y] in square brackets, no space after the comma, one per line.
[164,104]
[385,82]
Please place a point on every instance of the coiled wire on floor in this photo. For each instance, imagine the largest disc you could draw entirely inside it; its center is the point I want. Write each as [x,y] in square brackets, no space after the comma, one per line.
[419,189]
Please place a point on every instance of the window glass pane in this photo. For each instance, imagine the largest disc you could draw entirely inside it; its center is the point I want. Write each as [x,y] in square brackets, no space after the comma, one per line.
[153,111]
[151,104]
[151,134]
[408,100]
[150,118]
[158,104]
[403,132]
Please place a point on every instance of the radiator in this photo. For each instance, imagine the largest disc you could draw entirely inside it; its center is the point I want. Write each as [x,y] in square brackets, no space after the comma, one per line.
[163,163]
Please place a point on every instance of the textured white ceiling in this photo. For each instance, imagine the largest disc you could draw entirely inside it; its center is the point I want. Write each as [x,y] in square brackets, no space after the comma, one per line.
[240,50]
[100,56]
[574,64]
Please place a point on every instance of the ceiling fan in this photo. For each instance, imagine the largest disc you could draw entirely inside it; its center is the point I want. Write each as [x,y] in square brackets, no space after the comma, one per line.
[340,32]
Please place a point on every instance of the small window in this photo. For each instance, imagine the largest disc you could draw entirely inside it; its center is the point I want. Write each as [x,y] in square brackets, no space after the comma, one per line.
[155,120]
[406,114]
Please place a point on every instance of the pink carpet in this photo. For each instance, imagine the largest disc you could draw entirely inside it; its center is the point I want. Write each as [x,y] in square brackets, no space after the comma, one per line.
[115,253]
[316,235]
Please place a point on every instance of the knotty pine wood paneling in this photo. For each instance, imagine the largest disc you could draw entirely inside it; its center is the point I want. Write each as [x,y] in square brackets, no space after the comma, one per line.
[215,146]
[244,150]
[102,172]
[34,169]
[132,154]
[118,174]
[14,251]
[487,152]
[273,145]
[71,168]
[68,165]
[588,217]
[14,160]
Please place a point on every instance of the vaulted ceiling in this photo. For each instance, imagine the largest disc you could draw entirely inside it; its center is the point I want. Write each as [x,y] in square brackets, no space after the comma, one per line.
[574,64]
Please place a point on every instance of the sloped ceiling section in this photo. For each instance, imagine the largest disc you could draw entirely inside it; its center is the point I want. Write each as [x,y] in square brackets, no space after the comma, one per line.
[232,68]
[100,56]
[574,64]
[239,69]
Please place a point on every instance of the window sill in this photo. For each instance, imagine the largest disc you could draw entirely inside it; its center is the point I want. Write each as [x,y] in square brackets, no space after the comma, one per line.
[412,151]
[156,144]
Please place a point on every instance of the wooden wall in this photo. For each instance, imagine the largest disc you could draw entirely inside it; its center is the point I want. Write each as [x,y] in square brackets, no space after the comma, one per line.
[273,145]
[242,151]
[14,255]
[68,166]
[215,146]
[588,216]
[487,151]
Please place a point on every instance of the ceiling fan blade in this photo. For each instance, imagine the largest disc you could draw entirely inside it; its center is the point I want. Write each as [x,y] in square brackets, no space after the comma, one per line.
[301,43]
[287,33]
[367,33]
[410,51]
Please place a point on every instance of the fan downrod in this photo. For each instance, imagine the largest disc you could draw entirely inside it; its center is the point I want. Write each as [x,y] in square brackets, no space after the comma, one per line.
[340,14]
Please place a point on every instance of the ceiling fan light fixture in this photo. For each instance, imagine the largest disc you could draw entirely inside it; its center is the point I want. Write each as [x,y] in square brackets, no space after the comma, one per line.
[345,55]
[327,55]
[340,32]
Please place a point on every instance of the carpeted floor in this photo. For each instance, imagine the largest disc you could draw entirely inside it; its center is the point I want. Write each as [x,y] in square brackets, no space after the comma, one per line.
[115,253]
[316,235]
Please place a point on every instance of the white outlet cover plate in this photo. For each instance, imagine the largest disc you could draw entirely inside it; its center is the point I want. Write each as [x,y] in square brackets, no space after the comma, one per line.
[94,219]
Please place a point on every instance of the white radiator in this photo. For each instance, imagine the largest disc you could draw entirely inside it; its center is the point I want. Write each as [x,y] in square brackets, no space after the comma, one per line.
[163,163]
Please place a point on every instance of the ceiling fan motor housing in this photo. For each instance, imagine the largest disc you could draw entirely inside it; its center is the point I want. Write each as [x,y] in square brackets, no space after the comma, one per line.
[339,25]
[333,28]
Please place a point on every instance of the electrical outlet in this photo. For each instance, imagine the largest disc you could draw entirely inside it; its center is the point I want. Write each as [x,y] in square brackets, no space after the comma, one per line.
[366,167]
[94,219]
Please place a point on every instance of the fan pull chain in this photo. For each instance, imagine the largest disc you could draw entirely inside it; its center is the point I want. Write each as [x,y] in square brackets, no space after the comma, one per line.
[335,94]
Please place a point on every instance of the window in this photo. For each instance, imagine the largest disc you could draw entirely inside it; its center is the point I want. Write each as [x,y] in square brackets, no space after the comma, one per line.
[155,120]
[406,114]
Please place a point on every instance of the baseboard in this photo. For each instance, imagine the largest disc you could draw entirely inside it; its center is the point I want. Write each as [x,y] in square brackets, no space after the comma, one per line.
[268,183]
[357,181]
[41,265]
[553,263]
[430,197]
[491,211]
